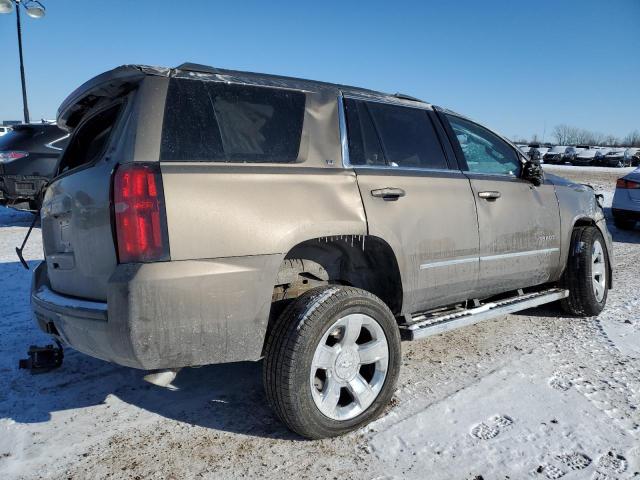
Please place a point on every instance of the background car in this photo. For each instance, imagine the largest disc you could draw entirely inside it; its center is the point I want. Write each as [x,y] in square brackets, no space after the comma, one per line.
[626,201]
[29,156]
[542,150]
[555,154]
[632,155]
[570,153]
[588,157]
[615,158]
[4,130]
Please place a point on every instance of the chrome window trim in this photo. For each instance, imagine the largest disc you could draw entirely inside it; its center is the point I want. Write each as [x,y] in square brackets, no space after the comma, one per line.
[487,174]
[390,101]
[50,144]
[406,169]
[344,140]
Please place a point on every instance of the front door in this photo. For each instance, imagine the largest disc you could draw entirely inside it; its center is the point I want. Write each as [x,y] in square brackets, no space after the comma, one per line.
[518,222]
[414,201]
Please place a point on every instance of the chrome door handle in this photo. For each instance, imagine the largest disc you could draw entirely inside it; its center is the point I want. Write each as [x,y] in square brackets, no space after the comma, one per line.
[388,193]
[491,195]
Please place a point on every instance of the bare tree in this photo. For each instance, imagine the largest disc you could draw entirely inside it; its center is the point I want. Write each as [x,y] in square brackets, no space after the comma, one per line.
[632,139]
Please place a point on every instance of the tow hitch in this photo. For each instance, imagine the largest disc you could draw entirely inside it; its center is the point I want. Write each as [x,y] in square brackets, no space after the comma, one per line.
[43,359]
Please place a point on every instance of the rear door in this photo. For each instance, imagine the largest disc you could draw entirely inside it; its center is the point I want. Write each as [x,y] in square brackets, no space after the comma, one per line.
[414,200]
[519,222]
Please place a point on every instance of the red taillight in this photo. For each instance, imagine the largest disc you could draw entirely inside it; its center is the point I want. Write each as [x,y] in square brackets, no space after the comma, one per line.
[139,214]
[627,184]
[12,155]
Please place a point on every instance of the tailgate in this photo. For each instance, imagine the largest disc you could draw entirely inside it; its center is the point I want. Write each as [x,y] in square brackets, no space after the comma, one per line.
[76,232]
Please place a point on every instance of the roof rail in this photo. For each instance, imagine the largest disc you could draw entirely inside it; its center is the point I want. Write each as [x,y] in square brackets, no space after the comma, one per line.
[404,96]
[197,67]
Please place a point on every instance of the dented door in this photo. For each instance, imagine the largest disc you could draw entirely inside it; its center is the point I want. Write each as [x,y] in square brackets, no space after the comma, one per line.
[432,228]
[519,241]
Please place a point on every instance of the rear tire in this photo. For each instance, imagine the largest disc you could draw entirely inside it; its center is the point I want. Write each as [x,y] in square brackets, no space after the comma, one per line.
[587,273]
[332,360]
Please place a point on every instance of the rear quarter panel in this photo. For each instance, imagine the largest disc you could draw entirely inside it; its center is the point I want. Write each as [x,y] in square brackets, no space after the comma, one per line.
[216,211]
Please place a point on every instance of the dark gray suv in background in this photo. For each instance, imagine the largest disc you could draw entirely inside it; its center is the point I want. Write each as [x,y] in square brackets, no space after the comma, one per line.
[204,216]
[29,155]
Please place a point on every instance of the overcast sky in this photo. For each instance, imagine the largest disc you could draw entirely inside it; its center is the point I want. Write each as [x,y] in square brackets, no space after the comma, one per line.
[518,66]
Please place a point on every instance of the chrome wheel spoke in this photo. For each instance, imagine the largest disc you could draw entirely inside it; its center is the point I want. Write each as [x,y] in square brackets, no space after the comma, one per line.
[598,272]
[330,396]
[324,357]
[351,330]
[362,392]
[373,351]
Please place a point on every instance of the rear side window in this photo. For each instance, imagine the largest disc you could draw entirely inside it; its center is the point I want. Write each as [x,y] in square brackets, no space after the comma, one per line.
[218,122]
[404,136]
[364,145]
[90,140]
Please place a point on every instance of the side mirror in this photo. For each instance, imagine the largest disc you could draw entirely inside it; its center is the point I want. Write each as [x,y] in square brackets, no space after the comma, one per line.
[532,172]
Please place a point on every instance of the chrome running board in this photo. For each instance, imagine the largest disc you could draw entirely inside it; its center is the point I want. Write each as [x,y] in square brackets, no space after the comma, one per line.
[426,324]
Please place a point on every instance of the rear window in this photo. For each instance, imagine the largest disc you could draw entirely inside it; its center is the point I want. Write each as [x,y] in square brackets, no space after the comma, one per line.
[218,122]
[90,140]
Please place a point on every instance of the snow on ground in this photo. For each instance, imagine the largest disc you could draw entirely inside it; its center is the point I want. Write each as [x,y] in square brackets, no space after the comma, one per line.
[530,395]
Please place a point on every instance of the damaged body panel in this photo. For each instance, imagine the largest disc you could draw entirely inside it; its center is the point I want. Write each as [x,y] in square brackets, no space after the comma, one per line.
[193,204]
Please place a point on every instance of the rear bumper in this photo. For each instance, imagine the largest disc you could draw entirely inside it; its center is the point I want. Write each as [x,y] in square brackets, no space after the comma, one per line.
[583,163]
[166,314]
[612,162]
[21,187]
[626,214]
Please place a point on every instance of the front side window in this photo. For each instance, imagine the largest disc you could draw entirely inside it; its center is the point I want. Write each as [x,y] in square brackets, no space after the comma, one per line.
[483,150]
[218,122]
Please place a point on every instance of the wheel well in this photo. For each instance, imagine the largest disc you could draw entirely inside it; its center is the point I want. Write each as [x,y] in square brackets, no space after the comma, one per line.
[584,222]
[361,261]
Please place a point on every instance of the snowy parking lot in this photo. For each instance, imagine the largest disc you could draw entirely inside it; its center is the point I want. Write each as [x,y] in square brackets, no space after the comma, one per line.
[529,395]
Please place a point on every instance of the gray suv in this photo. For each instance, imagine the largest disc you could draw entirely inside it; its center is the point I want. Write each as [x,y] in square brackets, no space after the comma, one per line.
[203,216]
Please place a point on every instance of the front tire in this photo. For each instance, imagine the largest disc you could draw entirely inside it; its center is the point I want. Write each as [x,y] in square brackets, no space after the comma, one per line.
[587,273]
[332,361]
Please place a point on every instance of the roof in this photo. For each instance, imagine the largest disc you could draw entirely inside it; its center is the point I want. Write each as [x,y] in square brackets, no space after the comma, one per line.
[191,70]
[122,79]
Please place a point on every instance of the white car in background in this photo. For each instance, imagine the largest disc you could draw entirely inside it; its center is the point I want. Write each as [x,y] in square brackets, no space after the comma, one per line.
[4,130]
[626,201]
[556,154]
[632,156]
[524,149]
[590,156]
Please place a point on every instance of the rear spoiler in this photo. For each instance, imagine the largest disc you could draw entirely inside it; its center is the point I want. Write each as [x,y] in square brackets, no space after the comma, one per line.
[112,84]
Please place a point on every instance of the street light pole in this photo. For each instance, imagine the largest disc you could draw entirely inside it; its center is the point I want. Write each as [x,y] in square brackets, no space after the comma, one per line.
[25,106]
[34,9]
